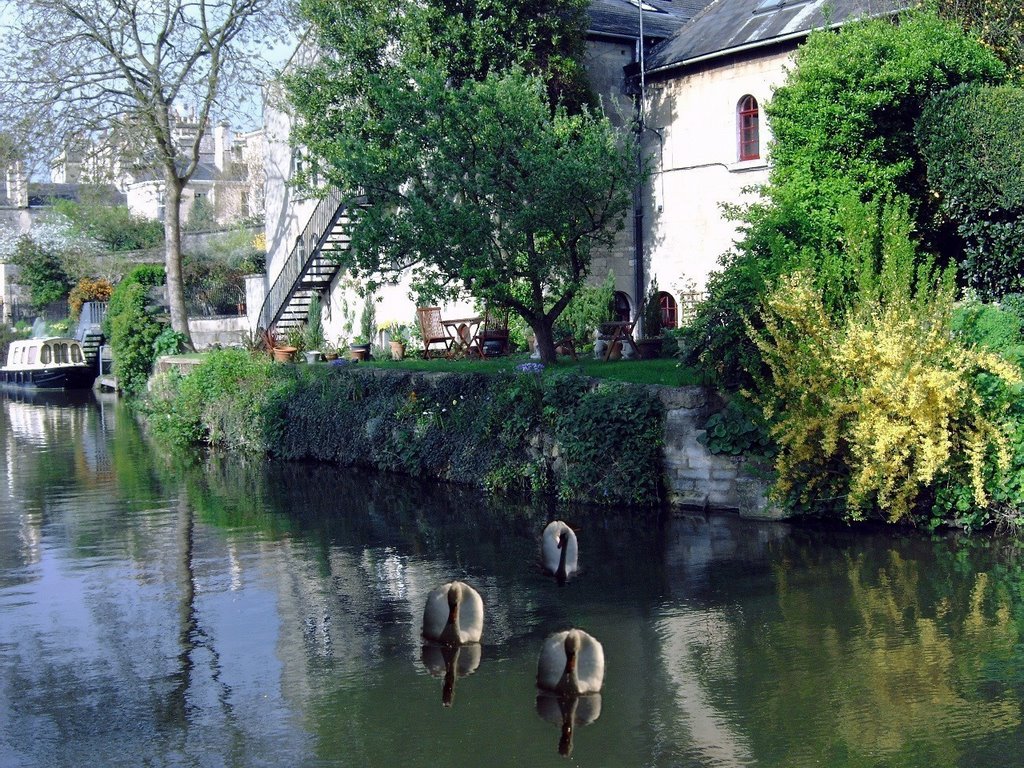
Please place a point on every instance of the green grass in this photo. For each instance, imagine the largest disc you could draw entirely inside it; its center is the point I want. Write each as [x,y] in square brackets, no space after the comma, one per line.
[663,371]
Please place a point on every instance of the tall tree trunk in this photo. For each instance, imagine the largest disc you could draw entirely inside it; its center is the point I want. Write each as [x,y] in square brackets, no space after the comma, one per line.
[172,256]
[545,339]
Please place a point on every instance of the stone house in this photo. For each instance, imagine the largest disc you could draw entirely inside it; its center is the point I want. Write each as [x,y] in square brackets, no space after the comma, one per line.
[696,76]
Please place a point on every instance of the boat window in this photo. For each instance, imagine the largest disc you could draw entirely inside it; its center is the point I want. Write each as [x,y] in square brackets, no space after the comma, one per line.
[76,353]
[31,356]
[44,354]
[64,353]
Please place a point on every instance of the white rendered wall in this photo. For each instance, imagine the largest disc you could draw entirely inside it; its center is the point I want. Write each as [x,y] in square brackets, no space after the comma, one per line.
[693,144]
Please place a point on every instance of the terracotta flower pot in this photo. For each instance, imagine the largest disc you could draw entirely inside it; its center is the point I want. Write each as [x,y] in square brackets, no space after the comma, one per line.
[397,350]
[284,354]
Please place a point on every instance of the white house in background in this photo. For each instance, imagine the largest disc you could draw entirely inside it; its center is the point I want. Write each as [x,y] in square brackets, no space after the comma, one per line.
[230,175]
[708,70]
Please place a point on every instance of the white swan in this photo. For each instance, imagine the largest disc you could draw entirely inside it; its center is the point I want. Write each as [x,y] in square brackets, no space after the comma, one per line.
[571,662]
[454,614]
[559,550]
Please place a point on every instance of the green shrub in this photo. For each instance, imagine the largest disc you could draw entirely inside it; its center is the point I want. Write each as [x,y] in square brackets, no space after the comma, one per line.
[609,438]
[132,328]
[739,429]
[42,271]
[221,401]
[971,139]
[112,225]
[488,431]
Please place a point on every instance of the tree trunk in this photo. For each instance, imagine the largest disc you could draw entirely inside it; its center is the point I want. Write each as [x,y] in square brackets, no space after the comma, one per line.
[545,339]
[172,257]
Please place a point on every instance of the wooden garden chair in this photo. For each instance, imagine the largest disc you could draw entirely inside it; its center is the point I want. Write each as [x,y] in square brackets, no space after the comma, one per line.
[432,330]
[494,329]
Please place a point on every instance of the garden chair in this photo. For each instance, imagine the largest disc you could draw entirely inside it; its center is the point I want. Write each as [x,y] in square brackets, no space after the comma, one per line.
[492,335]
[432,330]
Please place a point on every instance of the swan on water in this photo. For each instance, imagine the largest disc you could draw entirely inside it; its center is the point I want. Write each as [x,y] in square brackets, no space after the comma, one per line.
[454,614]
[571,663]
[559,550]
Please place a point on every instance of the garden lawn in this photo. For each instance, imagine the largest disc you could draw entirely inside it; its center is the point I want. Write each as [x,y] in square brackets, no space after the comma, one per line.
[664,371]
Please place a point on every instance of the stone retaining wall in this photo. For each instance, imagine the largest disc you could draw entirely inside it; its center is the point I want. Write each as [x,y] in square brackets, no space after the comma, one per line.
[694,476]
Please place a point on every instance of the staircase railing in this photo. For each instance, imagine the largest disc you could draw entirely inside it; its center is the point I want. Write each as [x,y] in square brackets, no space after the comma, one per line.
[307,247]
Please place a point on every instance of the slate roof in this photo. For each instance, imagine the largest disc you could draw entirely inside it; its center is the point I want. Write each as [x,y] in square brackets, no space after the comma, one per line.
[205,171]
[728,26]
[45,193]
[621,18]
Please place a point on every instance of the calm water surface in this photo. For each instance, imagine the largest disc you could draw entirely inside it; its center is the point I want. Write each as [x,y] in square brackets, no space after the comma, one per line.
[217,612]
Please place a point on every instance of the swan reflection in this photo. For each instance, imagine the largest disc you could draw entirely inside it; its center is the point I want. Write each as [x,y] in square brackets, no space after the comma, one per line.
[451,662]
[568,712]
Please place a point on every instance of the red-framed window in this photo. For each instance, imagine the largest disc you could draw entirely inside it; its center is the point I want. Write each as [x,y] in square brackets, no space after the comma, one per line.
[669,310]
[747,120]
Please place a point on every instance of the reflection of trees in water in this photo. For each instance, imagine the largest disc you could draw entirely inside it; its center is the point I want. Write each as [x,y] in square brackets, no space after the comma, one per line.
[861,655]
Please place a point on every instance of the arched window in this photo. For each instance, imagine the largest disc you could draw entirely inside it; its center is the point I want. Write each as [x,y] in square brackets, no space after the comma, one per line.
[669,310]
[44,357]
[76,354]
[747,120]
[620,306]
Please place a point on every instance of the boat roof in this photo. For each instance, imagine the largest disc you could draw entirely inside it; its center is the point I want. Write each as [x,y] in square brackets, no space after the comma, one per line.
[45,339]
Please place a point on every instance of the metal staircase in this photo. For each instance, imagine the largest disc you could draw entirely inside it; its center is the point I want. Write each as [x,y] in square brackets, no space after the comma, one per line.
[90,329]
[311,265]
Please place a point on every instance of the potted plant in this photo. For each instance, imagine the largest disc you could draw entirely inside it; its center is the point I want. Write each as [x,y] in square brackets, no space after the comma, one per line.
[279,350]
[398,337]
[360,345]
[313,333]
[649,345]
[359,348]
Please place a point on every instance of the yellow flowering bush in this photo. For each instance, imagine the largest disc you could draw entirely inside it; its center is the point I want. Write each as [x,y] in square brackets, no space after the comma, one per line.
[875,409]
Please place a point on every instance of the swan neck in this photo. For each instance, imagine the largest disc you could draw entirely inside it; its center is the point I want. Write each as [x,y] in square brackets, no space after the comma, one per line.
[561,558]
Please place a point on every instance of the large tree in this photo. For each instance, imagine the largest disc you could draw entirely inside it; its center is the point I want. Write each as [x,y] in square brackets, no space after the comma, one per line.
[122,69]
[466,127]
[483,189]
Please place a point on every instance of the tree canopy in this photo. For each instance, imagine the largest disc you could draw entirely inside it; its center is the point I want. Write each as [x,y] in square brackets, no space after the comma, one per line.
[971,138]
[482,168]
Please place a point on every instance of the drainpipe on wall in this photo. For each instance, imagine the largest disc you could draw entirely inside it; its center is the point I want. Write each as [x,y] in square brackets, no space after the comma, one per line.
[638,192]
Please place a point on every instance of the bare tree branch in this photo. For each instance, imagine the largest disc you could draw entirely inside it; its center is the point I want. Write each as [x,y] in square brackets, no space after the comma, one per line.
[75,70]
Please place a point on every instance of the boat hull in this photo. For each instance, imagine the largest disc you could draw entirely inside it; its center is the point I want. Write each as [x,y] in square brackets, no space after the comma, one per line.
[57,377]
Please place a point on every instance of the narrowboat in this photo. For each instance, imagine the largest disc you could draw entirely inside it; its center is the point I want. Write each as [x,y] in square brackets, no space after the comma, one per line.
[50,363]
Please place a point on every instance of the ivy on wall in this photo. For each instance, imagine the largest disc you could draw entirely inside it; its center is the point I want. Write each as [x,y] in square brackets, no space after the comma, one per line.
[511,432]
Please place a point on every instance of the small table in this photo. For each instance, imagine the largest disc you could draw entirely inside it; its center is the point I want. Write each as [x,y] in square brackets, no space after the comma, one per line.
[462,331]
[617,331]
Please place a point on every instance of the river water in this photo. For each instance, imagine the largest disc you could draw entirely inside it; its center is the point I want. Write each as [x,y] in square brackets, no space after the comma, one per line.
[158,610]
